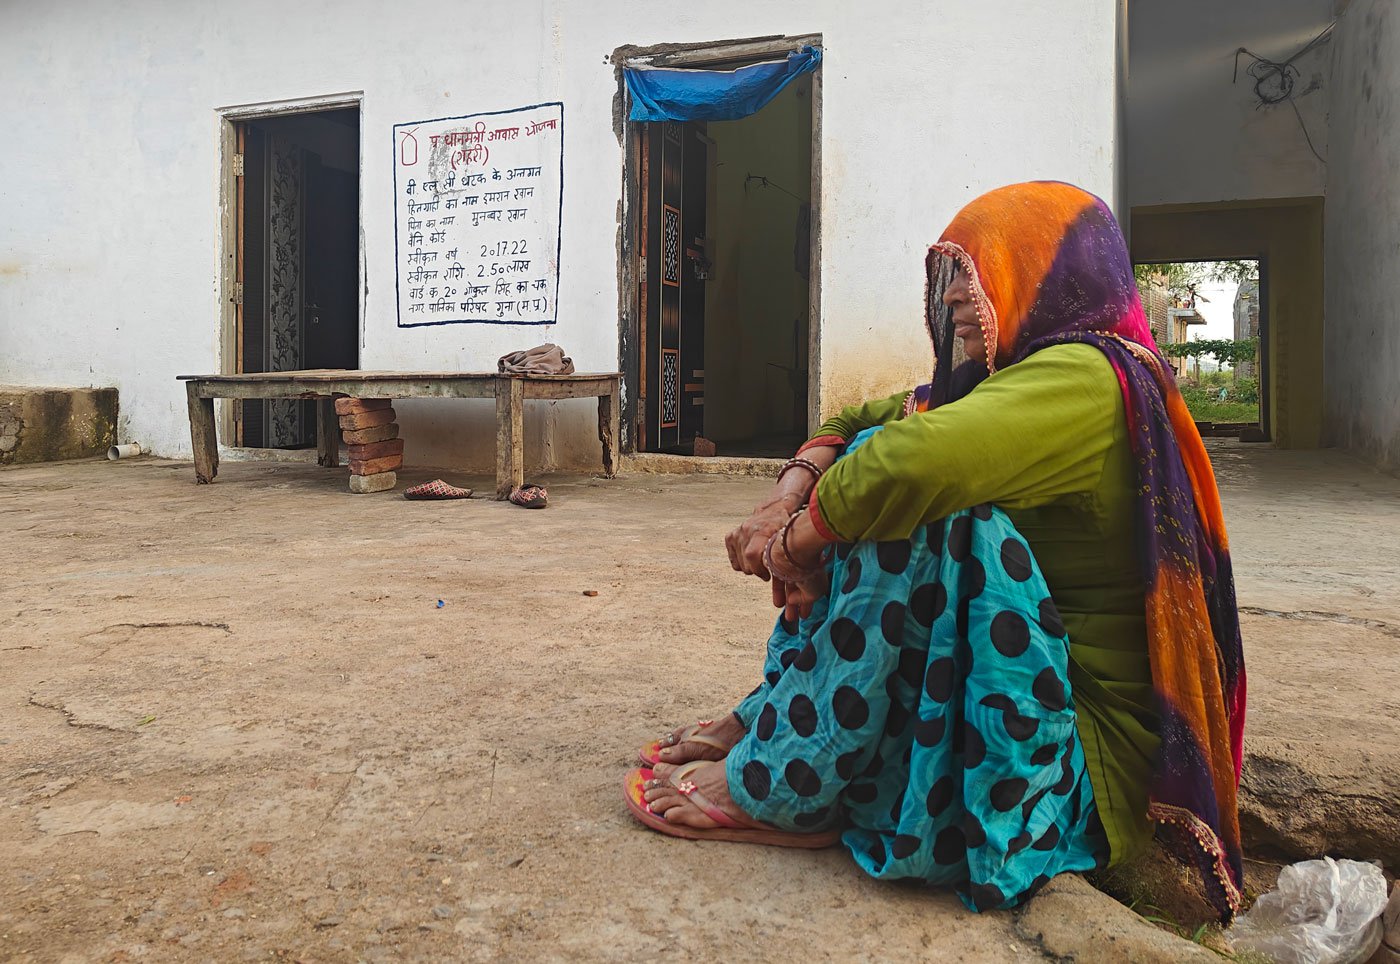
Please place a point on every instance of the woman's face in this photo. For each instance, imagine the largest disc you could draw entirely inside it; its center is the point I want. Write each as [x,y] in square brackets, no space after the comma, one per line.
[966,326]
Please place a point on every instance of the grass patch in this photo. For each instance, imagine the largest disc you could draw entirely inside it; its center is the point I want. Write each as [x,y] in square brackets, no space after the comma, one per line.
[1205,406]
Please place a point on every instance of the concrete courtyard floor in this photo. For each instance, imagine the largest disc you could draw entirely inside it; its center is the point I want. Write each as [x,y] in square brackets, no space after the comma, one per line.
[238,725]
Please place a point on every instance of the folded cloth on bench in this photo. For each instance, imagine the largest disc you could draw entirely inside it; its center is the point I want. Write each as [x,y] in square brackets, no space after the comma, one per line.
[545,359]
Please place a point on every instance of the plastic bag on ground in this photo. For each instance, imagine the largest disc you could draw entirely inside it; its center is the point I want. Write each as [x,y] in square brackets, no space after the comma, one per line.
[1322,912]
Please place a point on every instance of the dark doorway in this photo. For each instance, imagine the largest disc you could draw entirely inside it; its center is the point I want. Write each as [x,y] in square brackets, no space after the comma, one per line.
[298,245]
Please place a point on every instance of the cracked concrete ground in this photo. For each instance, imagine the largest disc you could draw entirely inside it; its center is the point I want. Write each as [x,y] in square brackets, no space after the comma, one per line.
[240,727]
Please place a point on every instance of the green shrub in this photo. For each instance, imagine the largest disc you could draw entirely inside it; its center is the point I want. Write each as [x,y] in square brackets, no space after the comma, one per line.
[1245,390]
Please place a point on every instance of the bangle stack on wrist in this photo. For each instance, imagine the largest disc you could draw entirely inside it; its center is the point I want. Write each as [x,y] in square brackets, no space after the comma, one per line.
[798,462]
[787,569]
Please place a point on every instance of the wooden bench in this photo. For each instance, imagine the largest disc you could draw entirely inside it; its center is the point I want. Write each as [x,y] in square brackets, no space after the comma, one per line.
[509,391]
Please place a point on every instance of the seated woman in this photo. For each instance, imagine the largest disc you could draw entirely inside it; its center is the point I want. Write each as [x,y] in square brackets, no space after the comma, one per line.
[1009,645]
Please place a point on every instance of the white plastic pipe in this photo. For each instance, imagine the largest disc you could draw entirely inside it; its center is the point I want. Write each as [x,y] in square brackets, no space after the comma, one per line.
[126,451]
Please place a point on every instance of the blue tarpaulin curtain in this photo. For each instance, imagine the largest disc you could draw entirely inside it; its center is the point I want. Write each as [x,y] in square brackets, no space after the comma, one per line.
[662,94]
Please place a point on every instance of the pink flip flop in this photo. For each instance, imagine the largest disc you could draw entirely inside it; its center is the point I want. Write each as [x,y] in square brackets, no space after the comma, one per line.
[729,829]
[650,755]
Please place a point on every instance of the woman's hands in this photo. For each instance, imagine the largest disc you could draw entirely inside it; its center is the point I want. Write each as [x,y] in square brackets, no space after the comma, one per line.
[746,543]
[803,552]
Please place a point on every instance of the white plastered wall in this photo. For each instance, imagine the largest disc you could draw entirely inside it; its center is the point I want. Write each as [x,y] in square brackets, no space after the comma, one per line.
[1193,134]
[1362,235]
[109,172]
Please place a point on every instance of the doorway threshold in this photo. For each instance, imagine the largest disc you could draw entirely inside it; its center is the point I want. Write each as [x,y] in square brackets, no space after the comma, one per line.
[657,463]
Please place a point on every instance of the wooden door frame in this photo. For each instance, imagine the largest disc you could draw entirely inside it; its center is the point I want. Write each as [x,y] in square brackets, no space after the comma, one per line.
[230,209]
[728,54]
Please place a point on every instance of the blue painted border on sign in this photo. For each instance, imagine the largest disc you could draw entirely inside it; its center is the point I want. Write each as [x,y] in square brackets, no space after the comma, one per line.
[559,244]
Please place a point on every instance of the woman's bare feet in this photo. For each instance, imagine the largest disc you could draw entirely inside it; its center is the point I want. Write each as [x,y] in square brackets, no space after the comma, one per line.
[725,731]
[710,782]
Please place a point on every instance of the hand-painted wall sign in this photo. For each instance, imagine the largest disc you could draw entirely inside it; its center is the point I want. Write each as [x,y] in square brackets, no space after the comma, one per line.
[477,206]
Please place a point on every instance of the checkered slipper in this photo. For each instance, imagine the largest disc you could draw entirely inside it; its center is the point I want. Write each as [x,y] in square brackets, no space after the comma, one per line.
[530,496]
[436,489]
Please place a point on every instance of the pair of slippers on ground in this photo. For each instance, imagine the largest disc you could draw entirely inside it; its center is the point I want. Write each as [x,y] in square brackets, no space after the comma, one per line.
[637,781]
[529,495]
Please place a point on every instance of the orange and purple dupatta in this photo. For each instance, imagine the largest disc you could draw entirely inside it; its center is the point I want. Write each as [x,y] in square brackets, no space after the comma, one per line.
[1047,265]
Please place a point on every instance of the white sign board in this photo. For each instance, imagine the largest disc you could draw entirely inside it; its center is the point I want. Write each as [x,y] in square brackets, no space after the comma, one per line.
[477,203]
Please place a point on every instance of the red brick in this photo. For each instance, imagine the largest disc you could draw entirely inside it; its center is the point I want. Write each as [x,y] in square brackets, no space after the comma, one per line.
[376,450]
[374,466]
[352,423]
[354,406]
[365,436]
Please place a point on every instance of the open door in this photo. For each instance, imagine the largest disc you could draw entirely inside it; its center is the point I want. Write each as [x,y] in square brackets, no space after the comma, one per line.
[298,245]
[675,162]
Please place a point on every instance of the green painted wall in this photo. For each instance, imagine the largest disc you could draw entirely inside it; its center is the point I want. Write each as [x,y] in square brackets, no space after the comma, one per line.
[756,301]
[1288,235]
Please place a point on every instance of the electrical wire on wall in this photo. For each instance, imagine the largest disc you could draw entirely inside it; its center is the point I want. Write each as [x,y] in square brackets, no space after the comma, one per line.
[1274,80]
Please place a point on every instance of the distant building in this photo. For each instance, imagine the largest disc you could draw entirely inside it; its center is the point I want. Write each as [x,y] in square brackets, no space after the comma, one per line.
[1247,323]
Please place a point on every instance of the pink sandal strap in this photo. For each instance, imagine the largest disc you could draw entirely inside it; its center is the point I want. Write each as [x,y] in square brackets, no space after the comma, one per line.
[679,779]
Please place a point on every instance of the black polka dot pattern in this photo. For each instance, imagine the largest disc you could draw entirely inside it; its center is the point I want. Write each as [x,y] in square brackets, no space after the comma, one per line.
[846,764]
[1008,794]
[986,896]
[803,779]
[973,832]
[939,796]
[1018,727]
[1050,620]
[758,781]
[802,714]
[852,580]
[928,602]
[851,710]
[974,747]
[905,845]
[950,846]
[848,639]
[1048,840]
[973,578]
[933,535]
[767,723]
[893,556]
[1049,690]
[1016,559]
[960,539]
[930,732]
[862,792]
[938,682]
[1010,634]
[931,744]
[911,666]
[806,659]
[892,623]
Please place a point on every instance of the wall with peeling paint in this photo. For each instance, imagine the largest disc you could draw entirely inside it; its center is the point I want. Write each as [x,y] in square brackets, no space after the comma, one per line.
[110,220]
[1362,232]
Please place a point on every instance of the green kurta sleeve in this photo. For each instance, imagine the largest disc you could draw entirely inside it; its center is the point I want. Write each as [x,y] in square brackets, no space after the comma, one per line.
[854,419]
[1030,433]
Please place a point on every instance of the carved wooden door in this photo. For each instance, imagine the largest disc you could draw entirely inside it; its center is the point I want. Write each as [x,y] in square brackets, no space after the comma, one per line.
[674,267]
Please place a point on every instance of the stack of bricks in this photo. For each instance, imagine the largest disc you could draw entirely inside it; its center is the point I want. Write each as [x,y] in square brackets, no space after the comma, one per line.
[371,438]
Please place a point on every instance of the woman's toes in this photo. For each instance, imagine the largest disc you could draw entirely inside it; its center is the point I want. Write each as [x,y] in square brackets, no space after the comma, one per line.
[662,771]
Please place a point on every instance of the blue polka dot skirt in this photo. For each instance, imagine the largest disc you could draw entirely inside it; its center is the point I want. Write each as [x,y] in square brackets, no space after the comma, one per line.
[925,704]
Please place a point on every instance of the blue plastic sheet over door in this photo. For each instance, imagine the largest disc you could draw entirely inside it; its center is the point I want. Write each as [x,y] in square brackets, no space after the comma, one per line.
[662,94]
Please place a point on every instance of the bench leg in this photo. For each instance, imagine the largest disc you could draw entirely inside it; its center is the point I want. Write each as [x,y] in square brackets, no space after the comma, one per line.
[608,406]
[202,436]
[327,433]
[510,436]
